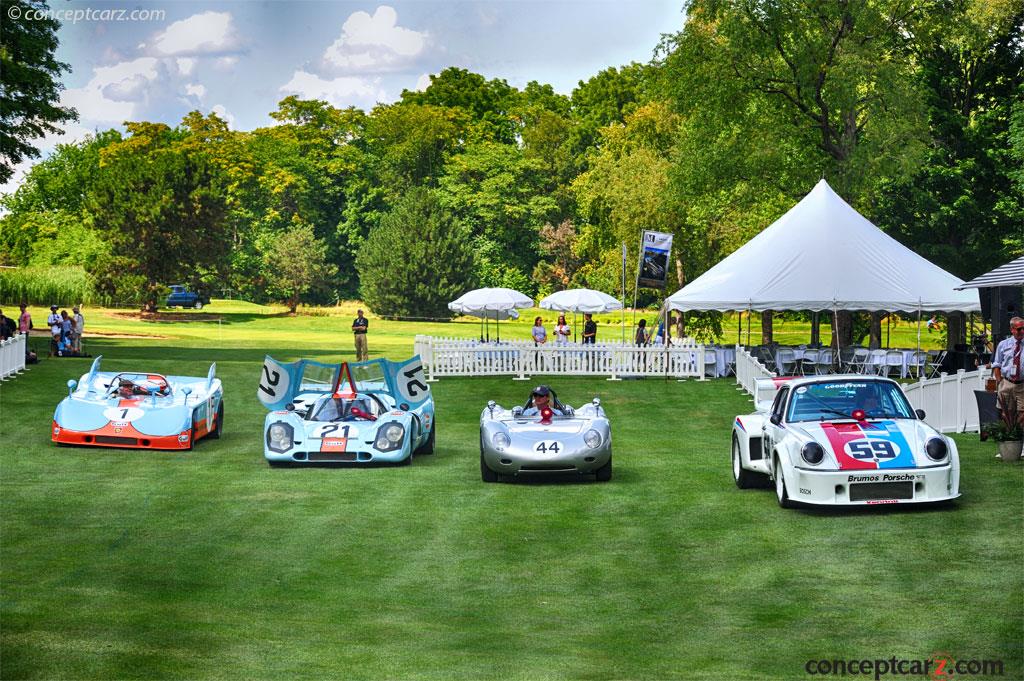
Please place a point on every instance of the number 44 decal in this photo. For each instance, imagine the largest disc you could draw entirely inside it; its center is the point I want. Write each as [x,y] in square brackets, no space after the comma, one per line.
[547,447]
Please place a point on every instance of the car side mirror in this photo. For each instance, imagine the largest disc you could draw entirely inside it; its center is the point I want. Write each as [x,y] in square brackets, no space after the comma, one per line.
[920,413]
[776,419]
[517,411]
[597,403]
[491,404]
[187,391]
[72,384]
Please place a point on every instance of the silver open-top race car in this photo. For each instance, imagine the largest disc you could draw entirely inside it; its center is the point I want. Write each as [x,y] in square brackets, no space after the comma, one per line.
[545,436]
[842,440]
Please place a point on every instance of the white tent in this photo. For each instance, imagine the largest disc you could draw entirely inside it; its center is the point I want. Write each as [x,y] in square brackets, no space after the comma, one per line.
[824,255]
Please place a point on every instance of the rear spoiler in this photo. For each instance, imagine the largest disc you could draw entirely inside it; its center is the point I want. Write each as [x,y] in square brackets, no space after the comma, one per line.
[765,390]
[210,375]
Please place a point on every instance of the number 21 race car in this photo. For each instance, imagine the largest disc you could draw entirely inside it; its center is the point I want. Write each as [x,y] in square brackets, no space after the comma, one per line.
[842,440]
[376,411]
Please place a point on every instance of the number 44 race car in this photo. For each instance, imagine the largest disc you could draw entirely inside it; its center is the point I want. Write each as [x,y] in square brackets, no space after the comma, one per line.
[842,440]
[362,413]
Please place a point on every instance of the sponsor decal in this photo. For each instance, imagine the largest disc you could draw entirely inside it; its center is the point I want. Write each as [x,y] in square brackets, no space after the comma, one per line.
[801,390]
[882,501]
[804,490]
[887,477]
[334,444]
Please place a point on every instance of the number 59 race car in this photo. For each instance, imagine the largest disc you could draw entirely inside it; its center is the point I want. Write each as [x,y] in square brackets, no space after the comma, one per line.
[139,410]
[545,436]
[376,411]
[842,440]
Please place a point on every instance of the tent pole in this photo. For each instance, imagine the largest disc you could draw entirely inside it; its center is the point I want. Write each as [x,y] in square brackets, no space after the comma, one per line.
[919,325]
[623,324]
[835,335]
[888,331]
[749,315]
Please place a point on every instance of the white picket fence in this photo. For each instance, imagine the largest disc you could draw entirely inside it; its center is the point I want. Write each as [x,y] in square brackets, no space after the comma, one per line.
[521,359]
[12,356]
[749,369]
[948,400]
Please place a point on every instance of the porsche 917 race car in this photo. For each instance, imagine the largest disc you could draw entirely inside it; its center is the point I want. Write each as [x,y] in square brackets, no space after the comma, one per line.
[842,440]
[141,410]
[545,438]
[376,411]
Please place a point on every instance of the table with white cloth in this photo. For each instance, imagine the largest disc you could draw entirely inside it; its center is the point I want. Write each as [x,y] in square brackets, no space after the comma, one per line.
[725,359]
[877,360]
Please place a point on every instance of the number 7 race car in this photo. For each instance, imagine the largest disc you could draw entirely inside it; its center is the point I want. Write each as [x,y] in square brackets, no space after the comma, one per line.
[139,410]
[362,413]
[842,440]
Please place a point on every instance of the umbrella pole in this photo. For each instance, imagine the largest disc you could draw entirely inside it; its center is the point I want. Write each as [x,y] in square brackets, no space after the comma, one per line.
[574,326]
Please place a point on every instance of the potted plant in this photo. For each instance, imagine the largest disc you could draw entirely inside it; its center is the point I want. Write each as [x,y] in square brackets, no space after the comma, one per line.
[1008,431]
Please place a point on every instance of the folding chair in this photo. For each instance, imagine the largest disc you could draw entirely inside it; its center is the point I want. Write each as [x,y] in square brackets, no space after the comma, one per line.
[824,364]
[845,358]
[807,363]
[917,364]
[785,359]
[859,363]
[893,361]
[711,363]
[934,363]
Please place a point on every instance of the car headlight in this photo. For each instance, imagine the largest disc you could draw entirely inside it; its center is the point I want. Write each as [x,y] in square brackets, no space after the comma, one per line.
[501,441]
[812,453]
[279,437]
[936,449]
[390,437]
[592,438]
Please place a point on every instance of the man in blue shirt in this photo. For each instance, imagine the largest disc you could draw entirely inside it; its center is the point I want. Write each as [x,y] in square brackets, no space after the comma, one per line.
[1008,369]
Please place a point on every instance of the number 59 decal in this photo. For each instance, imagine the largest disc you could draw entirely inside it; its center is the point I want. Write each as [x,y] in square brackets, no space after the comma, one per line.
[872,449]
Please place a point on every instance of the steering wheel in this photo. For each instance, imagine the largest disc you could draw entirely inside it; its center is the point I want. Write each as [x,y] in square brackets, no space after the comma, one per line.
[360,414]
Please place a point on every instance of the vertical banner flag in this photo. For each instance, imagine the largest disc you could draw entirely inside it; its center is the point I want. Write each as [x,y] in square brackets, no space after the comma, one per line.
[654,250]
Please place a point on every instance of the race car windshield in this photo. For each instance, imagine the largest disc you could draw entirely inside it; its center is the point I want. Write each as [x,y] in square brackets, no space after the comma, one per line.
[838,400]
[332,408]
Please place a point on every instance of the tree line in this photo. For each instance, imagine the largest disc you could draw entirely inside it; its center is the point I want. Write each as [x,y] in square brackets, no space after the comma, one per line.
[913,110]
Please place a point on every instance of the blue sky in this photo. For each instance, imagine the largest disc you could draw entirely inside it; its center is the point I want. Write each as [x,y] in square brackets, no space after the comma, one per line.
[240,58]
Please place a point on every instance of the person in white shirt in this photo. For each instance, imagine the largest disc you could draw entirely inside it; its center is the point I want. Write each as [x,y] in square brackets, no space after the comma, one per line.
[1008,369]
[76,331]
[562,331]
[54,321]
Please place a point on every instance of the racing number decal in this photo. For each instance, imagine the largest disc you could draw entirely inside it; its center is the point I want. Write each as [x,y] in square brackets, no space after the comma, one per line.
[327,429]
[547,447]
[122,413]
[269,381]
[413,384]
[872,449]
[333,444]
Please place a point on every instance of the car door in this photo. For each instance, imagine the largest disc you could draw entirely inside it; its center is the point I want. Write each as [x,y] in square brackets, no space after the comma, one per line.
[772,430]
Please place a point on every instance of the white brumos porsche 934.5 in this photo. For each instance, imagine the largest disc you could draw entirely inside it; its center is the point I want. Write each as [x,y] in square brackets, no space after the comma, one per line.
[842,440]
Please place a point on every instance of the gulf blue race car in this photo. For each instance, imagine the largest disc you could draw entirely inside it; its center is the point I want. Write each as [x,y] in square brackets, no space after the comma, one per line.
[141,410]
[370,412]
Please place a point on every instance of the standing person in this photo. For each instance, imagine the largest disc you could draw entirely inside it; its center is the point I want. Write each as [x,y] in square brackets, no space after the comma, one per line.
[589,329]
[54,322]
[540,334]
[643,336]
[24,320]
[1008,369]
[562,331]
[7,326]
[359,326]
[79,322]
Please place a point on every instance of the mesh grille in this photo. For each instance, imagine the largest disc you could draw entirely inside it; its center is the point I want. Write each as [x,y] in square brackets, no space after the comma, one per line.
[114,440]
[332,456]
[871,491]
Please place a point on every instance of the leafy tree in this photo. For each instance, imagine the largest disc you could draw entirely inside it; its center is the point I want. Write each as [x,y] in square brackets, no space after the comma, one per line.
[558,244]
[487,103]
[30,79]
[417,260]
[412,141]
[161,205]
[295,263]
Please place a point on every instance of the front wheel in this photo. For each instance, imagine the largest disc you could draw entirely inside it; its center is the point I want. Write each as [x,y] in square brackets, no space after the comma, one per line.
[781,493]
[428,446]
[604,473]
[486,474]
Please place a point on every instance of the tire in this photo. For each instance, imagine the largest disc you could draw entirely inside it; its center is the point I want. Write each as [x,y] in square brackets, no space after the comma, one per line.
[486,474]
[781,493]
[198,305]
[191,436]
[604,473]
[744,479]
[428,446]
[215,435]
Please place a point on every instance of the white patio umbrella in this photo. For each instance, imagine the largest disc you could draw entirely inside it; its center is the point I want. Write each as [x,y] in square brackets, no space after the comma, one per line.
[488,315]
[580,300]
[491,303]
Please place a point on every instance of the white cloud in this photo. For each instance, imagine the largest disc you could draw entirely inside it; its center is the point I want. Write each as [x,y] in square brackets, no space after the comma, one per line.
[423,82]
[372,44]
[113,92]
[226,62]
[224,115]
[195,90]
[185,65]
[206,33]
[342,92]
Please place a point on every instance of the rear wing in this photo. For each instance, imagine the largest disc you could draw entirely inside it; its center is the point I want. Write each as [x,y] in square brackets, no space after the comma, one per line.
[210,375]
[765,390]
[280,382]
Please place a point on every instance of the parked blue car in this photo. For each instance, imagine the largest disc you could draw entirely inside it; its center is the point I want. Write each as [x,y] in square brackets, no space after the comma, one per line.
[182,297]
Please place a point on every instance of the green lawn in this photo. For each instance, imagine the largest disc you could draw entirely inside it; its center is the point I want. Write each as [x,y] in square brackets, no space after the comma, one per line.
[209,564]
